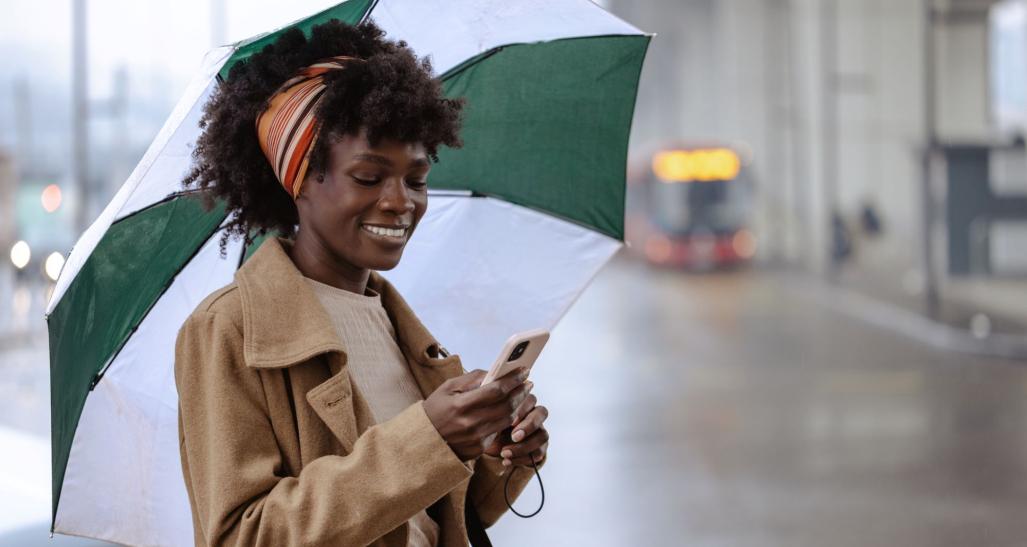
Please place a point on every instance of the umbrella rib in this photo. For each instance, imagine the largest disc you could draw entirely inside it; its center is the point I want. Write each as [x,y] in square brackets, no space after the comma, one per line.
[121,345]
[471,62]
[367,13]
[165,199]
[489,53]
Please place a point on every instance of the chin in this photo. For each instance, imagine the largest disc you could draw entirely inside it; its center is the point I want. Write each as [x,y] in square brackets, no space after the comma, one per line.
[383,264]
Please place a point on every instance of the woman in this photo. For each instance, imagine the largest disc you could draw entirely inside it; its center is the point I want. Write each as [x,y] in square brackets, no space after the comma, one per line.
[314,408]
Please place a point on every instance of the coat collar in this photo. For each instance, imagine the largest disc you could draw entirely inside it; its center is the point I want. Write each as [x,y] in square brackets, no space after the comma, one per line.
[284,323]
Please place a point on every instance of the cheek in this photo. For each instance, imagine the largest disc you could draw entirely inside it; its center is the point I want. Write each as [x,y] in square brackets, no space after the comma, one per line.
[420,206]
[348,211]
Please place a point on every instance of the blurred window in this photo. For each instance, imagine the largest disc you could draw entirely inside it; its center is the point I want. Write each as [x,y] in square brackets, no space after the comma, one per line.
[1008,78]
[720,206]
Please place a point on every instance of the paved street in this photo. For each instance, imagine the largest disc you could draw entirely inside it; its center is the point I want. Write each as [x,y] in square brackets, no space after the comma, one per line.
[712,410]
[737,410]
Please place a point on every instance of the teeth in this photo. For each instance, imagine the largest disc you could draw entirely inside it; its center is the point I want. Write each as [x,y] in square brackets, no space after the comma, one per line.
[390,232]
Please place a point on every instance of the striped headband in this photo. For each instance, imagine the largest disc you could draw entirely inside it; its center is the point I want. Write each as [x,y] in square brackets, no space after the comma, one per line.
[286,128]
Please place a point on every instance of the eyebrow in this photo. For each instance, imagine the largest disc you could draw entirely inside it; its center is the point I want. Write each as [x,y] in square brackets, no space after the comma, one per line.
[382,160]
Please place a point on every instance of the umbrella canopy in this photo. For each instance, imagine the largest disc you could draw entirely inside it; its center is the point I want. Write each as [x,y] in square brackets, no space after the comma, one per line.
[519,221]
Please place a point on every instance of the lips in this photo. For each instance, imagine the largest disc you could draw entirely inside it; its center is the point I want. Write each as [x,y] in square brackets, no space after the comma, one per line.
[391,232]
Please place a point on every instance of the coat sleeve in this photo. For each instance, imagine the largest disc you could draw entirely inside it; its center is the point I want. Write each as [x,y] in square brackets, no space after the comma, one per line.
[240,491]
[486,489]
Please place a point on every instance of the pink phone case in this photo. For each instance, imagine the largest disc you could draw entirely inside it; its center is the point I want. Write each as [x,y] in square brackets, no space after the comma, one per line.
[536,340]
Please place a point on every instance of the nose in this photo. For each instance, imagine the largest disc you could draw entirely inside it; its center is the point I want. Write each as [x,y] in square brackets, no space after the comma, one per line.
[395,197]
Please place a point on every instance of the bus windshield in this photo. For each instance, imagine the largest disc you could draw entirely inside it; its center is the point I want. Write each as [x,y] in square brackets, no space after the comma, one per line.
[714,206]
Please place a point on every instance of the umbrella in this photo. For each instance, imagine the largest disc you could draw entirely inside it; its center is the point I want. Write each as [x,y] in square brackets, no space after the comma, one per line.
[519,221]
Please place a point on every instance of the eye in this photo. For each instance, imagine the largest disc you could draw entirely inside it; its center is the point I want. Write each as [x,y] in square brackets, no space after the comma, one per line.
[366,182]
[417,184]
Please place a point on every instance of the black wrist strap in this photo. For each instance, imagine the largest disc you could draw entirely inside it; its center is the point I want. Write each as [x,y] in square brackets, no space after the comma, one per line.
[476,532]
[506,492]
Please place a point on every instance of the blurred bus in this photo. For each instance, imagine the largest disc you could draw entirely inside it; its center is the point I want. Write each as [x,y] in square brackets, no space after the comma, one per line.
[691,208]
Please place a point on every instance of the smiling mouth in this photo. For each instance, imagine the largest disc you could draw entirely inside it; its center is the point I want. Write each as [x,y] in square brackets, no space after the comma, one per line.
[395,233]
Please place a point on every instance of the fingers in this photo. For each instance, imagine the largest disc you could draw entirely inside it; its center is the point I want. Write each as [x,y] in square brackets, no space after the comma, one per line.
[535,457]
[495,427]
[478,423]
[465,382]
[530,423]
[538,456]
[529,438]
[503,413]
[526,405]
[472,413]
[521,453]
[495,391]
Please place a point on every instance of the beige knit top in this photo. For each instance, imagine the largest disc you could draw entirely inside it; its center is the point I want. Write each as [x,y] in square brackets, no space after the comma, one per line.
[377,367]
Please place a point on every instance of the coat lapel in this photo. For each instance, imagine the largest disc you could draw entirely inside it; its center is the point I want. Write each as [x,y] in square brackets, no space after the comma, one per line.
[287,331]
[429,364]
[284,325]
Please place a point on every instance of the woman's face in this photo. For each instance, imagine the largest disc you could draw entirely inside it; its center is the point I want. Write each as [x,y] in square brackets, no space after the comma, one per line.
[369,203]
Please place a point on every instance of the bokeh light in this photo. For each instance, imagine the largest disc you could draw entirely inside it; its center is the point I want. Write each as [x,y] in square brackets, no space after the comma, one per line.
[51,198]
[53,265]
[21,254]
[744,244]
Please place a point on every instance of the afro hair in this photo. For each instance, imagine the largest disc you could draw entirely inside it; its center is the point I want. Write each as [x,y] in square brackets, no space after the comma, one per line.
[394,95]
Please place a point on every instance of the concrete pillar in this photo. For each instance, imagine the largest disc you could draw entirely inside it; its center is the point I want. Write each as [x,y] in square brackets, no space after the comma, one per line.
[7,213]
[963,99]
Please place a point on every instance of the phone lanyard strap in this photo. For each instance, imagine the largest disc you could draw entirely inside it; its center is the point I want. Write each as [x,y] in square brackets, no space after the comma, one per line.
[506,487]
[541,488]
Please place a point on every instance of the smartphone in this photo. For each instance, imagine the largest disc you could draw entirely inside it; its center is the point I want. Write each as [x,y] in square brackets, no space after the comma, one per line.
[520,350]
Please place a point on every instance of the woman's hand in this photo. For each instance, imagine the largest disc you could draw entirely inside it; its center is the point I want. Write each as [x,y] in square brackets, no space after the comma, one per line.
[466,413]
[527,438]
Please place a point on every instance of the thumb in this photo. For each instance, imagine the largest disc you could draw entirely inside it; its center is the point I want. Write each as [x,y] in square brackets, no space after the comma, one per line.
[466,382]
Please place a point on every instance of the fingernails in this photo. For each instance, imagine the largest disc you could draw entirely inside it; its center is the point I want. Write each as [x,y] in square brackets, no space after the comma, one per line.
[507,463]
[517,435]
[528,385]
[506,453]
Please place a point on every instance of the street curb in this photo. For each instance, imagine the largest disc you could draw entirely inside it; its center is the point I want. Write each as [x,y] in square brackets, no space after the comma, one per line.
[900,320]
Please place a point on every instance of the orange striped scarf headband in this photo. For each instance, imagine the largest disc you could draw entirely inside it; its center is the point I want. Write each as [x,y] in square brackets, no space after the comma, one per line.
[286,128]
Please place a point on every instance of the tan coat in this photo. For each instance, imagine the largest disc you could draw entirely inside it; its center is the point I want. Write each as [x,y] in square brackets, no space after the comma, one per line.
[277,444]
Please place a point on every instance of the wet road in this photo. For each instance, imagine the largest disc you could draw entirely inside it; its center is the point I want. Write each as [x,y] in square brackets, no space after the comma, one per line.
[738,410]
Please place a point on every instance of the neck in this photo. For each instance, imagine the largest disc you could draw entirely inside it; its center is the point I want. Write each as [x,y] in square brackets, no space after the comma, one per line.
[314,260]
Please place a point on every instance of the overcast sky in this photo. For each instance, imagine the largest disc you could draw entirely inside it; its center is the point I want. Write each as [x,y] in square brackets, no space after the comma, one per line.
[160,42]
[1009,63]
[171,36]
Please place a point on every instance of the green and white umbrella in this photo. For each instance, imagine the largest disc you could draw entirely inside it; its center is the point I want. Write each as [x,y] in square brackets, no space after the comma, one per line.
[519,221]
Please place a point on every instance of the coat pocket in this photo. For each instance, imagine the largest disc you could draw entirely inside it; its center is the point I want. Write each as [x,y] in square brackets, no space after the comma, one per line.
[332,400]
[431,372]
